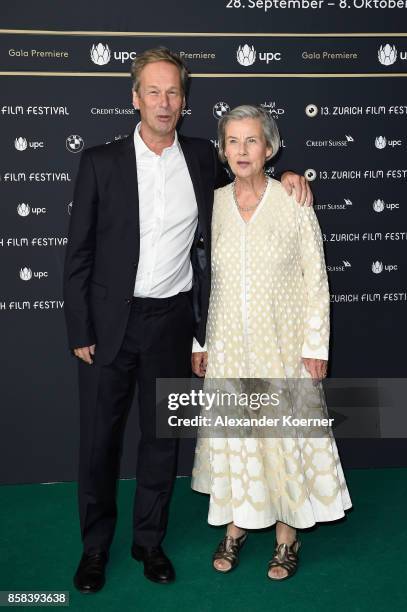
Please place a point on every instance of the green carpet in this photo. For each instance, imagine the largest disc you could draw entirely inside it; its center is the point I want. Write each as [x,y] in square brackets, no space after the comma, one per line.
[356,564]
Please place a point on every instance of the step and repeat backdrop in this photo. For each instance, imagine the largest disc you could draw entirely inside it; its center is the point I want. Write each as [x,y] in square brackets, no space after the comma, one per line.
[332,74]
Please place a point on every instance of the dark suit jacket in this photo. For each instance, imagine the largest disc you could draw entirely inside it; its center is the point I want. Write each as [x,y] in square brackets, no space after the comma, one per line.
[104,242]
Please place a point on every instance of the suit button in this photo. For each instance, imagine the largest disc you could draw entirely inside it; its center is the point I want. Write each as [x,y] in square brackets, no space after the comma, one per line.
[128,300]
[134,265]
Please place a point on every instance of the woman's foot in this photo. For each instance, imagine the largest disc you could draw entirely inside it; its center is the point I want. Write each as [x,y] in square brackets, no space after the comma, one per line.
[284,535]
[226,555]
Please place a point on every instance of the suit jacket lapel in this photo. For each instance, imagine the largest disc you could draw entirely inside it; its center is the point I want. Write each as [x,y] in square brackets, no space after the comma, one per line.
[126,160]
[195,174]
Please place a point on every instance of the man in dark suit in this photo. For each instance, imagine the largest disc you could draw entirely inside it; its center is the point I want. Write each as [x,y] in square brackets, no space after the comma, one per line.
[136,291]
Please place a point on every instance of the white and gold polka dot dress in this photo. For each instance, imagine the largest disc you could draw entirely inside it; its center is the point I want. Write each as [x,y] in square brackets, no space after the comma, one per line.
[269,307]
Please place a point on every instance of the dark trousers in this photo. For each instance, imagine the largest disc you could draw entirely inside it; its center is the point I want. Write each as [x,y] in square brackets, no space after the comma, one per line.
[157,344]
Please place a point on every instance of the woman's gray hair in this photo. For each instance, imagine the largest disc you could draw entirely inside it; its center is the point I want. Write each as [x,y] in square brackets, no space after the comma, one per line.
[249,111]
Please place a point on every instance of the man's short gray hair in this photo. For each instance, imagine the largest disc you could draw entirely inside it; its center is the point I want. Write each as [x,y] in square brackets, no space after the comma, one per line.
[249,111]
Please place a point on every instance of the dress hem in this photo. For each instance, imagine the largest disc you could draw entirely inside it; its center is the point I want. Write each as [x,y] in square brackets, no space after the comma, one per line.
[340,515]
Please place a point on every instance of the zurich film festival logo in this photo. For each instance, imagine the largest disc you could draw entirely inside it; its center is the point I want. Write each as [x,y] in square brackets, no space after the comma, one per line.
[21,143]
[245,55]
[310,174]
[74,143]
[387,54]
[23,209]
[220,109]
[311,110]
[100,54]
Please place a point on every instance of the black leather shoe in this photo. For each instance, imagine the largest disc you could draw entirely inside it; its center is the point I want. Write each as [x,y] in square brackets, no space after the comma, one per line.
[157,566]
[90,575]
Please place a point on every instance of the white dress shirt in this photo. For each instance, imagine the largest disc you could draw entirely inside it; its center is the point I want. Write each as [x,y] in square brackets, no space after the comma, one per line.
[168,220]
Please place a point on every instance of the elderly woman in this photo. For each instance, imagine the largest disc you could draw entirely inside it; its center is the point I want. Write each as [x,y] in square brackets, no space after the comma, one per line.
[268,319]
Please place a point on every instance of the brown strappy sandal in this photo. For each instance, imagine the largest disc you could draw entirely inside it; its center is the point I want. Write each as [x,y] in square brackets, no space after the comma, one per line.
[228,550]
[286,557]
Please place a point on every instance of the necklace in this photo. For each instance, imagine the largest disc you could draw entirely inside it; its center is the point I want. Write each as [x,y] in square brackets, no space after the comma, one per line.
[249,208]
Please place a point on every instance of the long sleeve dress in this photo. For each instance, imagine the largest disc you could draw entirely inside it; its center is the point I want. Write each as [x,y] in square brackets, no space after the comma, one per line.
[269,307]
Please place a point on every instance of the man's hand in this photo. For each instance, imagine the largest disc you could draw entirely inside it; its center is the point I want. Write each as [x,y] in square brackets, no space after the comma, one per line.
[199,363]
[316,367]
[85,353]
[303,194]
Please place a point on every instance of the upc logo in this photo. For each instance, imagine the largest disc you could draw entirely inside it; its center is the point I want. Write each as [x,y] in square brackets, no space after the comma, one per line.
[377,267]
[380,142]
[26,274]
[23,209]
[100,54]
[245,55]
[21,143]
[378,205]
[387,54]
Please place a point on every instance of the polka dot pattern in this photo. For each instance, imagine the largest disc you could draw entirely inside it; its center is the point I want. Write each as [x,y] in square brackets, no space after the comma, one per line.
[269,307]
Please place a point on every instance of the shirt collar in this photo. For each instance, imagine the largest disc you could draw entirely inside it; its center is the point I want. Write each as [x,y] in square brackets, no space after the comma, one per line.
[142,149]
